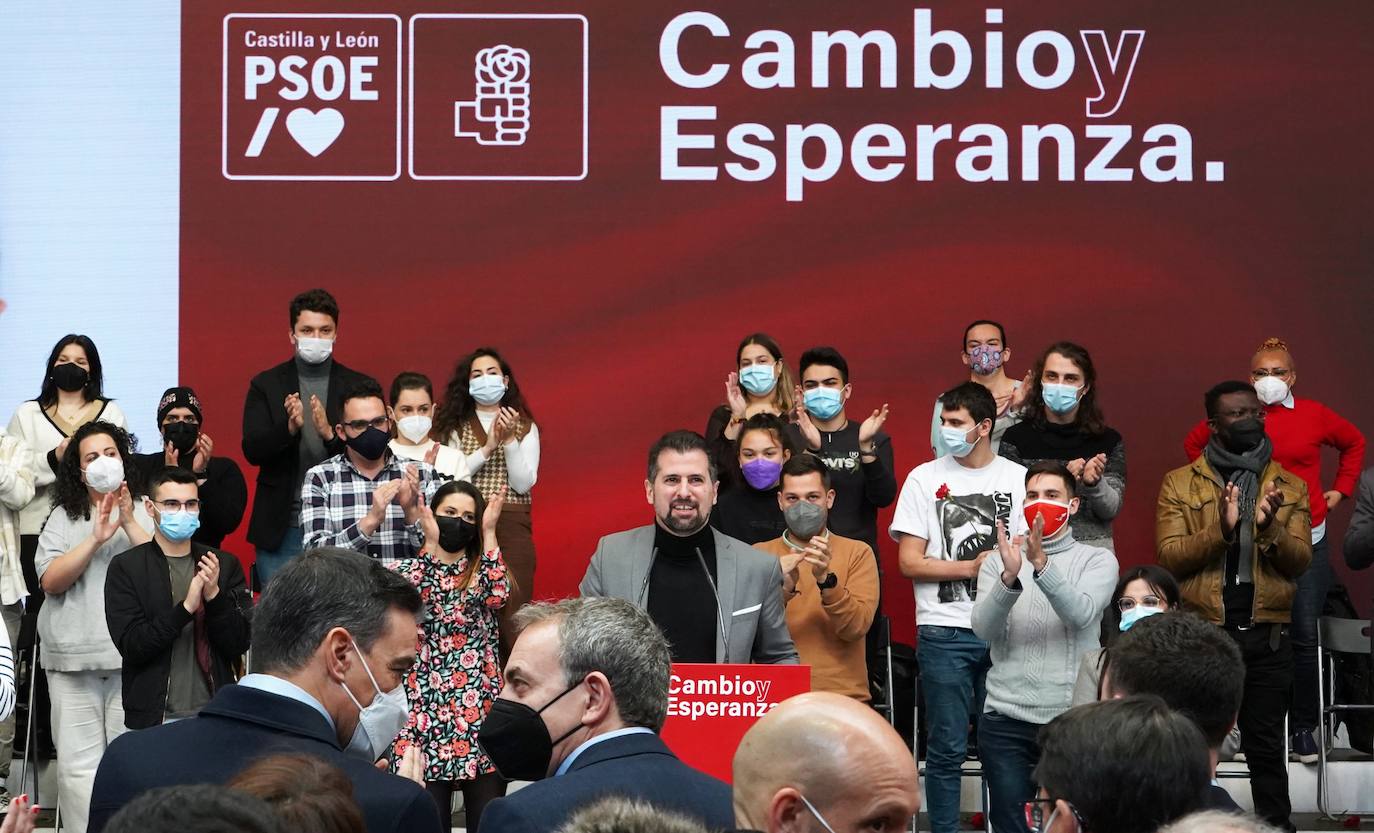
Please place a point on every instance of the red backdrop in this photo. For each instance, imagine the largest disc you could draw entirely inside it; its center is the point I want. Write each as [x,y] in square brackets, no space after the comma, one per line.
[619,298]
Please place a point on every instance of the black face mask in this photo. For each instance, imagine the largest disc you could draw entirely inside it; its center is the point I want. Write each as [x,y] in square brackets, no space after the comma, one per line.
[182,436]
[371,444]
[1243,435]
[455,533]
[70,377]
[516,740]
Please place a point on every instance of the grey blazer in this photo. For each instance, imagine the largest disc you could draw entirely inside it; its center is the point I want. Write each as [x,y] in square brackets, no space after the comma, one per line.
[749,581]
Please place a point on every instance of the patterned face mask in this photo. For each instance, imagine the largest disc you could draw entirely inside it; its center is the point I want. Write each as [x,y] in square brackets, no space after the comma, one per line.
[985,359]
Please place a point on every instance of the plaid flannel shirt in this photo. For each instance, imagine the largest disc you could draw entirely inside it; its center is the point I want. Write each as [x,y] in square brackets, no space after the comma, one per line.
[336,496]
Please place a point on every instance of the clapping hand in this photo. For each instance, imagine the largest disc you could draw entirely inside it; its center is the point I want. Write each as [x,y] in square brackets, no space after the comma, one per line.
[295,413]
[791,571]
[208,573]
[1230,510]
[1268,505]
[105,526]
[817,554]
[734,396]
[319,417]
[808,429]
[1076,467]
[382,496]
[1010,550]
[204,447]
[492,515]
[871,426]
[1093,469]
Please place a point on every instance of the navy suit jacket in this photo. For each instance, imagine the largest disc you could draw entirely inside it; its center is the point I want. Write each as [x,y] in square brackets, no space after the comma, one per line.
[630,766]
[239,726]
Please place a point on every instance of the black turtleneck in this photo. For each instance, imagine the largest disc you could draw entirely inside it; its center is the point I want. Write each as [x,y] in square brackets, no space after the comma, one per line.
[680,597]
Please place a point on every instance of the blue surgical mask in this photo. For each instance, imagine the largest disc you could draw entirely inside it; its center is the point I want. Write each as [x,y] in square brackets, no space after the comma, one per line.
[956,440]
[1137,613]
[488,389]
[178,525]
[758,379]
[823,403]
[1059,398]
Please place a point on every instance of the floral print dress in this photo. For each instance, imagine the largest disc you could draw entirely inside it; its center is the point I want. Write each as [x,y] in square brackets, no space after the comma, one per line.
[457,672]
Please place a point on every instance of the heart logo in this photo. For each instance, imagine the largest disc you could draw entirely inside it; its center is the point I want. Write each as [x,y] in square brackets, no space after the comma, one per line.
[315,132]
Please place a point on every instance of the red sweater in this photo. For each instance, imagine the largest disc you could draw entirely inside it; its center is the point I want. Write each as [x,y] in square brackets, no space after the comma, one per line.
[1298,434]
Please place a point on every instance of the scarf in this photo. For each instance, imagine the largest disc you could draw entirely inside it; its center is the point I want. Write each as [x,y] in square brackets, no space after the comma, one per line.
[1242,470]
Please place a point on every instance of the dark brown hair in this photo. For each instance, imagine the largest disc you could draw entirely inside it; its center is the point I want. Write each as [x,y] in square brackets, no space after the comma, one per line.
[1089,419]
[307,794]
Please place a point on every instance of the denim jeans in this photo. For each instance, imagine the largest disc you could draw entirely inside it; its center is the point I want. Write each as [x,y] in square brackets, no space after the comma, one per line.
[1307,609]
[1009,749]
[270,561]
[954,664]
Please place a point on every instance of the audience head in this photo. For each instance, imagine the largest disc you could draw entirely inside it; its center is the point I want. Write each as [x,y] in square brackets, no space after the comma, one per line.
[1273,371]
[98,461]
[824,762]
[412,406]
[1219,821]
[1118,766]
[985,348]
[179,417]
[579,668]
[314,325]
[1193,665]
[1064,383]
[623,815]
[341,626]
[307,794]
[74,367]
[763,446]
[481,378]
[204,808]
[1143,591]
[1051,497]
[763,373]
[1236,416]
[805,496]
[173,502]
[967,414]
[825,382]
[364,426]
[458,507]
[681,486]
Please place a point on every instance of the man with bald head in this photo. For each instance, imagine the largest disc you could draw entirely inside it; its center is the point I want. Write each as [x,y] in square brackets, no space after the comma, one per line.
[824,763]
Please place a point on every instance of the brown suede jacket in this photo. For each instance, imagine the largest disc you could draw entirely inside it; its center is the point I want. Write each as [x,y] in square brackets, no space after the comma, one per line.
[1189,543]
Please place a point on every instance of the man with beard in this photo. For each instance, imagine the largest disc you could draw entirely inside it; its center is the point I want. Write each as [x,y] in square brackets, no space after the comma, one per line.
[717,599]
[1235,529]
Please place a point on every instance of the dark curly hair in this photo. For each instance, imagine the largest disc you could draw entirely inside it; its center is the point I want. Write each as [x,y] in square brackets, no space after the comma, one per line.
[1089,419]
[459,406]
[70,490]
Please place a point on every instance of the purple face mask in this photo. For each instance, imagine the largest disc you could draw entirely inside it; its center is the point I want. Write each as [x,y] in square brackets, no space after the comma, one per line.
[761,472]
[985,359]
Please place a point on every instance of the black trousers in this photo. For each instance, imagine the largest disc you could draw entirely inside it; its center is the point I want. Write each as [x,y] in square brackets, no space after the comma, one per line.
[1268,656]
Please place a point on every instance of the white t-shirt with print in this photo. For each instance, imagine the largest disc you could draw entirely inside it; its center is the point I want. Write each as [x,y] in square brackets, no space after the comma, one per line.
[955,509]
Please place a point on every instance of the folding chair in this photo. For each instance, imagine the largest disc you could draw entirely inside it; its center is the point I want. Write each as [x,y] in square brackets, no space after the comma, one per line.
[886,706]
[1337,636]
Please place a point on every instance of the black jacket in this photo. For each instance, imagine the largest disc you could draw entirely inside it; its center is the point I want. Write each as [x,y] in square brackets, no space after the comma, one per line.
[223,495]
[637,766]
[239,726]
[144,623]
[269,444]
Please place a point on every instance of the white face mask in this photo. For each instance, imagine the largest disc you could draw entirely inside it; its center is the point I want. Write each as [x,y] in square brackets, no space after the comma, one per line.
[105,474]
[380,721]
[314,350]
[414,428]
[1271,389]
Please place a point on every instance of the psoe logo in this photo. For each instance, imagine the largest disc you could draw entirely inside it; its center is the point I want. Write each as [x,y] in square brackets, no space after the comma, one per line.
[498,96]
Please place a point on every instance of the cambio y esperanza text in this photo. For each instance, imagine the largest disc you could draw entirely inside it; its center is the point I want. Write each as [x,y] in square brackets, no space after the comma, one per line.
[942,59]
[720,696]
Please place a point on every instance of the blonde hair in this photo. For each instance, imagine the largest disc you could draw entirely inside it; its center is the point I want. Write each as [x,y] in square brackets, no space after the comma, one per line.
[1276,345]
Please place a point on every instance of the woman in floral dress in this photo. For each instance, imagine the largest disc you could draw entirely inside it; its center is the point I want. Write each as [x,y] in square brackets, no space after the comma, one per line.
[462,583]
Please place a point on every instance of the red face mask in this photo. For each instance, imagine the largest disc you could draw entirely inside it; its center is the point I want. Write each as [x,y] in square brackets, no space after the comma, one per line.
[1056,514]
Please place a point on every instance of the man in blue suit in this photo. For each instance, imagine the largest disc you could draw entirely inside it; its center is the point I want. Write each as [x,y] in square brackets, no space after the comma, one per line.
[333,637]
[586,694]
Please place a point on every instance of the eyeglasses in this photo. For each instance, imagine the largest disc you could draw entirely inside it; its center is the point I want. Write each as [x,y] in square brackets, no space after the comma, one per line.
[1244,413]
[1040,810]
[381,423]
[1126,603]
[1260,373]
[192,505]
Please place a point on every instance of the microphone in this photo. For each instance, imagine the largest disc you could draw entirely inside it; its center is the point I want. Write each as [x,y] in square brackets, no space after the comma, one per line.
[720,616]
[644,585]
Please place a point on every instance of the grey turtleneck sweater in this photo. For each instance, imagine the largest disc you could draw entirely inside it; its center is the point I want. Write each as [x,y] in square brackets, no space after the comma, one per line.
[1038,632]
[314,381]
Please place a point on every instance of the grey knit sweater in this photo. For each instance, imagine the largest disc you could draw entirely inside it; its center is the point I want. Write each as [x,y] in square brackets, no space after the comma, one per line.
[1037,635]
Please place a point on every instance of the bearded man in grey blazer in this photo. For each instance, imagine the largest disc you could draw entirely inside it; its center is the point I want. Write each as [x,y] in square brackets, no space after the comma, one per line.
[716,598]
